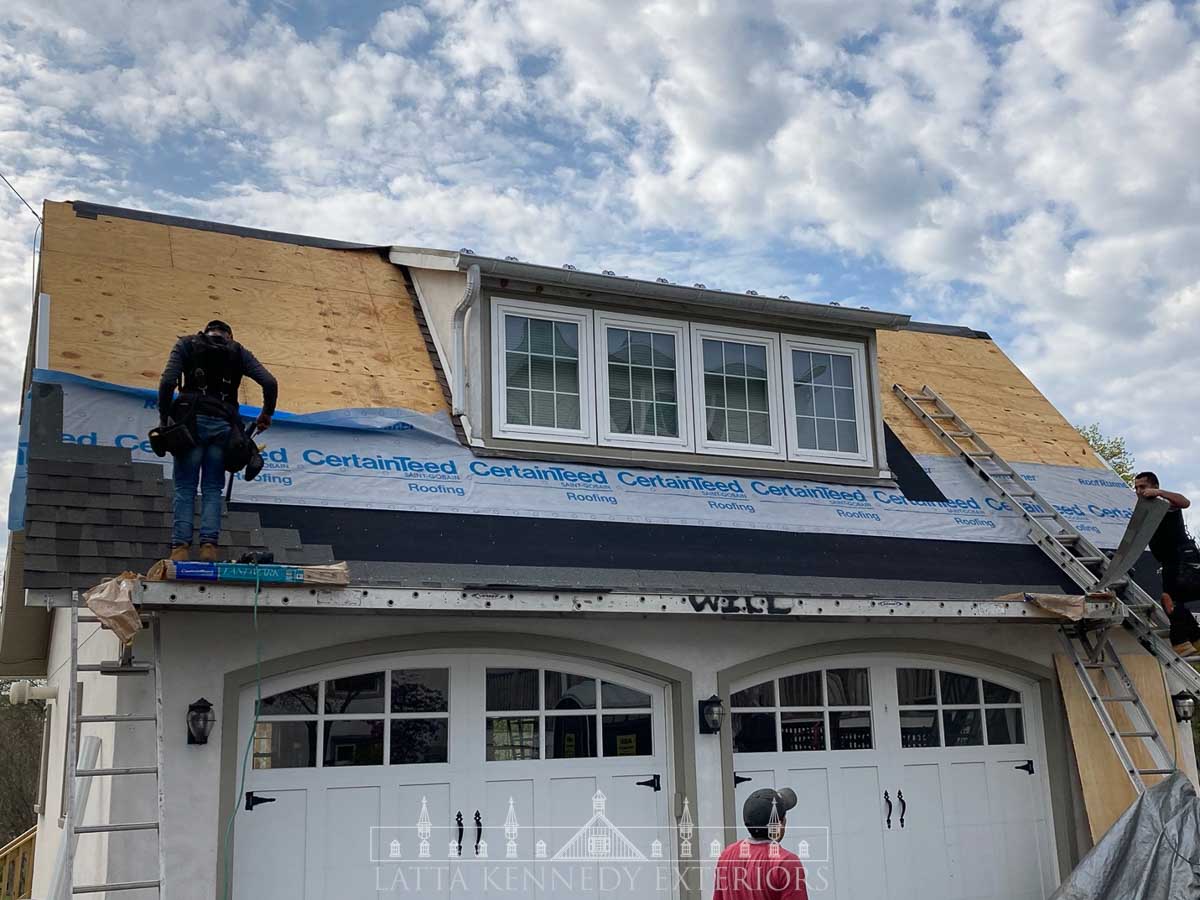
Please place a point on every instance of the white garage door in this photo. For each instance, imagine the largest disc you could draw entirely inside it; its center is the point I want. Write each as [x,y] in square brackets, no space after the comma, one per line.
[456,775]
[916,780]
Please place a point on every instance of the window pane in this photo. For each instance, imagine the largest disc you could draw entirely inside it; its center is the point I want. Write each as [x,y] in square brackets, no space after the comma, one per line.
[566,376]
[667,420]
[826,435]
[754,733]
[822,368]
[850,729]
[756,395]
[642,383]
[421,690]
[664,350]
[541,373]
[618,381]
[285,745]
[567,406]
[843,374]
[354,742]
[516,333]
[735,358]
[664,385]
[805,404]
[518,407]
[959,689]
[1005,726]
[714,390]
[760,428]
[735,393]
[355,694]
[919,728]
[843,404]
[916,687]
[807,431]
[620,416]
[512,738]
[541,337]
[566,691]
[998,693]
[643,418]
[739,426]
[516,370]
[628,735]
[823,398]
[512,689]
[616,696]
[296,702]
[758,695]
[847,437]
[570,737]
[802,366]
[849,687]
[964,727]
[801,690]
[416,741]
[713,356]
[716,425]
[756,361]
[542,413]
[803,731]
[566,339]
[641,351]
[618,345]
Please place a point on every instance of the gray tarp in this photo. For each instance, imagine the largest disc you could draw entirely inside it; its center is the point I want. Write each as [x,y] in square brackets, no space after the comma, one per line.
[1151,853]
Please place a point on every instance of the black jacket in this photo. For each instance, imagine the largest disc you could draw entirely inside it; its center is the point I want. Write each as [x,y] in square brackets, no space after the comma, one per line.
[242,363]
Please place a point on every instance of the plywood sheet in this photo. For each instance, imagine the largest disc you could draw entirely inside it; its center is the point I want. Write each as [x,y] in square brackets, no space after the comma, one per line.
[337,328]
[1107,791]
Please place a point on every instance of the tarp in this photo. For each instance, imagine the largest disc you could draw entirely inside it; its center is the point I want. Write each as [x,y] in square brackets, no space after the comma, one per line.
[396,459]
[1151,853]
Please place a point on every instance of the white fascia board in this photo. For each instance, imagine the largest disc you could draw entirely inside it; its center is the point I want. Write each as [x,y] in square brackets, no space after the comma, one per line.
[424,258]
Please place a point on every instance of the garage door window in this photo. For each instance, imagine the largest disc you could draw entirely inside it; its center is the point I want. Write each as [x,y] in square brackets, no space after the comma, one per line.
[401,716]
[548,714]
[827,709]
[948,709]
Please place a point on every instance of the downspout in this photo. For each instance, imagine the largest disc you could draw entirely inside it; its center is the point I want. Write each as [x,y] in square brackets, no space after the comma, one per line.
[458,338]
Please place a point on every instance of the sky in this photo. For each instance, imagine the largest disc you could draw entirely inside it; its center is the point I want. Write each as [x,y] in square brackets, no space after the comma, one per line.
[1025,167]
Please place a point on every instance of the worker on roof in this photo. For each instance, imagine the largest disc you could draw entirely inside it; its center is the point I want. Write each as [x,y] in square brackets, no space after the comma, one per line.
[759,868]
[208,368]
[1176,551]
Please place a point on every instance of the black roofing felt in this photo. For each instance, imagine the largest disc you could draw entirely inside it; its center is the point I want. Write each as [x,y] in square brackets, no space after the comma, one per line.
[912,479]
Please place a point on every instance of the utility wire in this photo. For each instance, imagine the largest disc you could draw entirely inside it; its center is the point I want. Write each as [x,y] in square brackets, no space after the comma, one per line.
[22,199]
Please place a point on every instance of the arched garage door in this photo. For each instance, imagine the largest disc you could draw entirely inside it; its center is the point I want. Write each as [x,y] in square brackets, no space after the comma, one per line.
[455,775]
[916,779]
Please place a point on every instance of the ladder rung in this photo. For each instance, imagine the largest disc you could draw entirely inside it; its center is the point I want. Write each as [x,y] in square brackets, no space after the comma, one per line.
[1090,560]
[113,667]
[1121,698]
[115,886]
[1100,665]
[959,433]
[983,454]
[118,826]
[119,717]
[127,770]
[940,415]
[1042,515]
[1138,734]
[1156,771]
[93,620]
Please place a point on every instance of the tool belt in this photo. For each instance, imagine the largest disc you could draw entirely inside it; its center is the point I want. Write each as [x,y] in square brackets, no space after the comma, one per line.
[241,452]
[174,439]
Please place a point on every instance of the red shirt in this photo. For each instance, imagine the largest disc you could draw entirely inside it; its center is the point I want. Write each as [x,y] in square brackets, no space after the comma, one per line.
[747,870]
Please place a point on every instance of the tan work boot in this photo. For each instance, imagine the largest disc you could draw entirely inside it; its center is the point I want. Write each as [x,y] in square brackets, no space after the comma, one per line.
[208,553]
[1184,649]
[181,553]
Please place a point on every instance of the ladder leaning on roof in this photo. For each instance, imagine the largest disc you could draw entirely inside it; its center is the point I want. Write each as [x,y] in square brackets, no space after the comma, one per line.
[123,666]
[1088,646]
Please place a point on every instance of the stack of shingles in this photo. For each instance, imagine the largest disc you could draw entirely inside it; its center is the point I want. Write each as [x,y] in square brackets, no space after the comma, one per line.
[91,512]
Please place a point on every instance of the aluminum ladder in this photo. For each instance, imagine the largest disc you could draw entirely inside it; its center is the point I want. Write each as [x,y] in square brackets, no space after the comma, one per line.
[125,666]
[1085,564]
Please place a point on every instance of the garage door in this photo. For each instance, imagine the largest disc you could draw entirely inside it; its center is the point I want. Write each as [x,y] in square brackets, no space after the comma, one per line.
[456,775]
[916,780]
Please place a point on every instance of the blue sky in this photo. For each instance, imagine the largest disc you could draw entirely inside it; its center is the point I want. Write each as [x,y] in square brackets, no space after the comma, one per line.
[1023,167]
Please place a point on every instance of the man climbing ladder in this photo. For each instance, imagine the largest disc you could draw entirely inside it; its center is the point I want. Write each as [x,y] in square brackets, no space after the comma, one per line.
[1176,552]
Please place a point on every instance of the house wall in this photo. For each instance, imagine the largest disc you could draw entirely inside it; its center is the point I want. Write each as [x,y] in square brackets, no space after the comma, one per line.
[201,649]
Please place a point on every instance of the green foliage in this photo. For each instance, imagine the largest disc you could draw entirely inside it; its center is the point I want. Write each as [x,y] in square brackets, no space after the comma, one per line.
[20,760]
[1110,449]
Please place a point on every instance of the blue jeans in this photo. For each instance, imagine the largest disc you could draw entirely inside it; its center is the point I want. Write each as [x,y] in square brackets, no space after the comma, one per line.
[203,464]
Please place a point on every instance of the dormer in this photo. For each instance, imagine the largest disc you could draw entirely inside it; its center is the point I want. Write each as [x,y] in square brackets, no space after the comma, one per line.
[563,364]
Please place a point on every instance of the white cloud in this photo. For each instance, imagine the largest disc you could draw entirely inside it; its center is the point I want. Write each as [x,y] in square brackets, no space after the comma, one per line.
[397,28]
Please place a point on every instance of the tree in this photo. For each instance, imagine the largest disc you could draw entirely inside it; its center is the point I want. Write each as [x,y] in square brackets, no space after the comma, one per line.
[1110,449]
[20,760]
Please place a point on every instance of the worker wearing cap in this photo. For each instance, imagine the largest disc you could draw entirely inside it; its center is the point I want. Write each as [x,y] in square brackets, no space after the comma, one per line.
[208,368]
[759,868]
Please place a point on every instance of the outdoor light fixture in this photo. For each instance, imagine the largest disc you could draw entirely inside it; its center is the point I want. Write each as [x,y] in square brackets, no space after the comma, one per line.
[712,714]
[200,720]
[1185,706]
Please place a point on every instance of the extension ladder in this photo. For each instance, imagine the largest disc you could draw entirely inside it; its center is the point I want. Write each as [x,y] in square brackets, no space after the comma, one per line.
[1085,564]
[122,667]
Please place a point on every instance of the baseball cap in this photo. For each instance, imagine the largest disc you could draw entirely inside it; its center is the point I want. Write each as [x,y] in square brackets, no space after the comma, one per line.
[218,325]
[756,811]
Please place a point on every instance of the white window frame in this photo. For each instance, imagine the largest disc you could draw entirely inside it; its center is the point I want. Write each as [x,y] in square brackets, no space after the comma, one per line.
[768,339]
[858,362]
[683,382]
[586,433]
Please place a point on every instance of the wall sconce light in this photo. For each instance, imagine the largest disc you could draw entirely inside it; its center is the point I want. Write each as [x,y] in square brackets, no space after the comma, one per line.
[712,714]
[200,721]
[1185,706]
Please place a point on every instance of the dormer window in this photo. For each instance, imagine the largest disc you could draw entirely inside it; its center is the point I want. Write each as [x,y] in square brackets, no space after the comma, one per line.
[602,378]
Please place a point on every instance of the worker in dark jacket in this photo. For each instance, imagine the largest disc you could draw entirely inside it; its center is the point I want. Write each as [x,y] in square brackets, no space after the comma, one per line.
[207,368]
[1173,547]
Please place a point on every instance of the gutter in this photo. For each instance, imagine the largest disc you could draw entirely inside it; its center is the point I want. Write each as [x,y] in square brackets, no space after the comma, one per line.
[459,351]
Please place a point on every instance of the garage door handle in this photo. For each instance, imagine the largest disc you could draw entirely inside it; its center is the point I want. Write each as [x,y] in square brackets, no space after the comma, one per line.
[253,801]
[478,831]
[458,822]
[740,779]
[1026,766]
[888,801]
[653,782]
[903,806]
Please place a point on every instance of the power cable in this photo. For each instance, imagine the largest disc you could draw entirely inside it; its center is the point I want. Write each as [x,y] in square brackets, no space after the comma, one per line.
[22,199]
